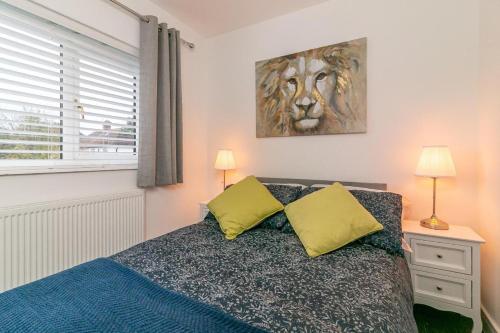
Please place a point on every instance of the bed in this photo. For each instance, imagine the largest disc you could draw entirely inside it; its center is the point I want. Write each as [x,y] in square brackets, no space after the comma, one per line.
[265,279]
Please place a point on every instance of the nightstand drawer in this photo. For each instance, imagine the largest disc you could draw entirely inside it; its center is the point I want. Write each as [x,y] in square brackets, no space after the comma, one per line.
[442,288]
[447,256]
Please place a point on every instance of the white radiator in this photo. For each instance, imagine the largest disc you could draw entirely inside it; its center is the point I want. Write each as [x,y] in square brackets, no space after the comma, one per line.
[42,239]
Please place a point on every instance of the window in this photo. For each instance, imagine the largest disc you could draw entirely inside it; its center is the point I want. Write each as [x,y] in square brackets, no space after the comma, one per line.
[66,100]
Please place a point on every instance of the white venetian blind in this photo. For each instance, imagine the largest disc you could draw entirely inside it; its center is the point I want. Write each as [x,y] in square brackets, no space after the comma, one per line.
[65,99]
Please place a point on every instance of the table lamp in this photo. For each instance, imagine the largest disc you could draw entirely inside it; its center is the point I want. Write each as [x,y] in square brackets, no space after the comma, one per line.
[435,162]
[225,161]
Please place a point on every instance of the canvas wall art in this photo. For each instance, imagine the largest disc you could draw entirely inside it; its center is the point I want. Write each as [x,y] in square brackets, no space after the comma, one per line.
[314,92]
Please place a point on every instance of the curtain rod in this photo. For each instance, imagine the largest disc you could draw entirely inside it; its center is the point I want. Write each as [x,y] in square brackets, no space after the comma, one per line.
[82,23]
[145,19]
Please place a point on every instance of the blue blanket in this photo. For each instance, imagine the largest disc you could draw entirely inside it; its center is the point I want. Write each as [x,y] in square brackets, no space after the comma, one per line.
[104,296]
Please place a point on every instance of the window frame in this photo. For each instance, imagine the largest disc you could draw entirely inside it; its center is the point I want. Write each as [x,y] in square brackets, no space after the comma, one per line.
[40,166]
[33,170]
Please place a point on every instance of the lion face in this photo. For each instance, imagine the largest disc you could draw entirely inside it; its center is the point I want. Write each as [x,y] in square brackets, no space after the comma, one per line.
[307,86]
[319,91]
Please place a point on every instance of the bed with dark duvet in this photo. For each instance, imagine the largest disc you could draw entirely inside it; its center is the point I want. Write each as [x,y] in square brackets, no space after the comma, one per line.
[265,278]
[194,280]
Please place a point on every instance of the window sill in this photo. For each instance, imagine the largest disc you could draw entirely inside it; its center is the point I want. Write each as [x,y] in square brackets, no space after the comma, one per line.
[24,170]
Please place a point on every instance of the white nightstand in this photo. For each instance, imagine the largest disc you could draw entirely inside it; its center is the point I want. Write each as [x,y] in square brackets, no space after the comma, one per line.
[445,268]
[203,209]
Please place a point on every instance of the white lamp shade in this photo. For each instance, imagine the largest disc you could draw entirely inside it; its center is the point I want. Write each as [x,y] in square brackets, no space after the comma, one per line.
[435,161]
[225,160]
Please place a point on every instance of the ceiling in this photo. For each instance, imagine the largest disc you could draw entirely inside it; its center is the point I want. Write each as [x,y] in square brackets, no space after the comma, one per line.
[212,17]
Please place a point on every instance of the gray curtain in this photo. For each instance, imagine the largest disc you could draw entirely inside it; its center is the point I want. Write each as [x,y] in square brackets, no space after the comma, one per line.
[160,105]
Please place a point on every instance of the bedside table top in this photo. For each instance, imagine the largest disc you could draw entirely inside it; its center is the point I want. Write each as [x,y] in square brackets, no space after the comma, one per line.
[455,232]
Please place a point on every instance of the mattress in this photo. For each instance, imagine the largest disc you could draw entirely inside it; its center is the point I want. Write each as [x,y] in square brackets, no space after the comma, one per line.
[265,278]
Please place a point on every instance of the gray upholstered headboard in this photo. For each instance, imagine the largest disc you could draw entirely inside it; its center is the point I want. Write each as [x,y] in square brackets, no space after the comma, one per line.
[308,182]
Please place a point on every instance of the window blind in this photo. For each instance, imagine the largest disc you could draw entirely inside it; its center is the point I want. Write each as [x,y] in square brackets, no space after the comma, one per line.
[65,99]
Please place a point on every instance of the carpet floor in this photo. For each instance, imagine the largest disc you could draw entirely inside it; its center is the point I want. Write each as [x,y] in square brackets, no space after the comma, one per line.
[430,320]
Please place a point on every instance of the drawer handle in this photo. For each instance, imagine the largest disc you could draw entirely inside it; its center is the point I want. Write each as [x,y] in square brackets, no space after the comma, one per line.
[439,288]
[439,256]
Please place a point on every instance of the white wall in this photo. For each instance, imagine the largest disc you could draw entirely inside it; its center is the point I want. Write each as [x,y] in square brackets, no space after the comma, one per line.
[167,208]
[422,75]
[489,147]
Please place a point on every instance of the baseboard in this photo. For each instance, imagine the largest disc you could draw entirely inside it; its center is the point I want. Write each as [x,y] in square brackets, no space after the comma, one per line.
[491,326]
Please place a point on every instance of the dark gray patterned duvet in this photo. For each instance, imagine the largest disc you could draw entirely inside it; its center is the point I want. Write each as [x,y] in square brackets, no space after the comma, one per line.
[265,278]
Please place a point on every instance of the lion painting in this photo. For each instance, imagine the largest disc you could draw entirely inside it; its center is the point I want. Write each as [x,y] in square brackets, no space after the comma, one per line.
[319,91]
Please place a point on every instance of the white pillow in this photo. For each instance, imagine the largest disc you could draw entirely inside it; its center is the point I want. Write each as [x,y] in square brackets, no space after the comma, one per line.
[363,189]
[296,185]
[351,188]
[321,185]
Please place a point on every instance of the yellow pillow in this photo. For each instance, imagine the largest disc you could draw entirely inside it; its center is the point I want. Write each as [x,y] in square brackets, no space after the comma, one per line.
[242,206]
[328,219]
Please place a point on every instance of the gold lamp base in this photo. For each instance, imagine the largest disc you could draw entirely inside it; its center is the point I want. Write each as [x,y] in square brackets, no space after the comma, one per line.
[434,223]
